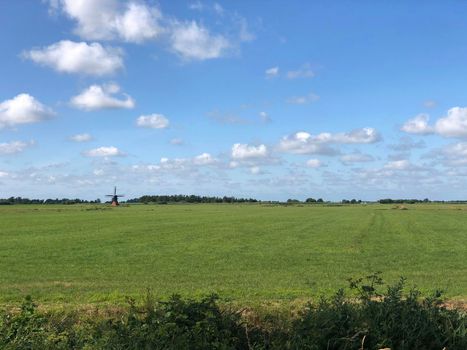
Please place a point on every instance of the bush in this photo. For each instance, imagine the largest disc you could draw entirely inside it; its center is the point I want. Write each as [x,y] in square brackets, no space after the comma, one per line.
[374,316]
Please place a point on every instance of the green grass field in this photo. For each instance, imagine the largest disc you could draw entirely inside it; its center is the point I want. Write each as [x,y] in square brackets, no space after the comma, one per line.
[87,254]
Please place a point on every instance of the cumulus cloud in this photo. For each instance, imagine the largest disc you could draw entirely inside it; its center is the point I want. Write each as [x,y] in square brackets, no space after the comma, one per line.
[78,57]
[98,97]
[454,124]
[132,21]
[110,151]
[304,71]
[453,155]
[272,72]
[245,151]
[364,135]
[136,21]
[81,137]
[192,41]
[402,164]
[204,159]
[314,163]
[300,100]
[305,143]
[14,147]
[23,109]
[418,125]
[153,121]
[181,165]
[251,156]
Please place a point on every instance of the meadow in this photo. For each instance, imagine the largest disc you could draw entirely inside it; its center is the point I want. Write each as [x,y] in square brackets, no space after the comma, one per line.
[81,254]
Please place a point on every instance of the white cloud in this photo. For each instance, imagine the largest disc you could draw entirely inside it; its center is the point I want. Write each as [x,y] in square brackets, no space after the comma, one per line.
[138,23]
[154,121]
[355,158]
[300,100]
[132,21]
[110,151]
[403,164]
[78,57]
[456,150]
[314,163]
[194,42]
[418,125]
[14,147]
[303,72]
[453,155]
[4,174]
[23,109]
[101,97]
[244,151]
[454,124]
[183,165]
[305,143]
[204,159]
[364,135]
[272,72]
[81,137]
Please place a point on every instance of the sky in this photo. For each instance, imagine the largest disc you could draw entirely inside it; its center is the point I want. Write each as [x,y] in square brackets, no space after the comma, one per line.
[270,100]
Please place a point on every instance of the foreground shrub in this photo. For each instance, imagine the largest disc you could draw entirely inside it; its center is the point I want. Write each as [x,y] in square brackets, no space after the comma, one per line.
[372,316]
[392,319]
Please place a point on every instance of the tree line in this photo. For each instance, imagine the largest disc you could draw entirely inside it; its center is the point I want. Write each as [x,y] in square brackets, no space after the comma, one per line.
[180,198]
[20,200]
[414,201]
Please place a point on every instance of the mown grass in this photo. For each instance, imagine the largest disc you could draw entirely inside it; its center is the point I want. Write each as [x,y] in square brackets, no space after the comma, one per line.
[252,253]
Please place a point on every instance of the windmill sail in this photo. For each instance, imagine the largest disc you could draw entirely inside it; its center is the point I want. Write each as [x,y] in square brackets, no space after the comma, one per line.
[115,197]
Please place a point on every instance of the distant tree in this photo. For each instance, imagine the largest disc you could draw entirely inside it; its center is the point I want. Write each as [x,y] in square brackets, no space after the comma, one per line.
[293,200]
[310,200]
[320,200]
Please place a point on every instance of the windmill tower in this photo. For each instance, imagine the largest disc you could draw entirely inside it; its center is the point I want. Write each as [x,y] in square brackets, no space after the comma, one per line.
[114,197]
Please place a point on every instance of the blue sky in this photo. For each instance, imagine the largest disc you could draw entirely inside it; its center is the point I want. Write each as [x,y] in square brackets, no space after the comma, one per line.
[270,100]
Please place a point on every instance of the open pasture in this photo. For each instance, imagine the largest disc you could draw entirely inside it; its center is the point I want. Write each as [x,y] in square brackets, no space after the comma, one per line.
[86,254]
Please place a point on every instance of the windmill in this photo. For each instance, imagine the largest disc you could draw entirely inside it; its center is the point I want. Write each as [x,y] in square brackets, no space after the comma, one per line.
[114,197]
